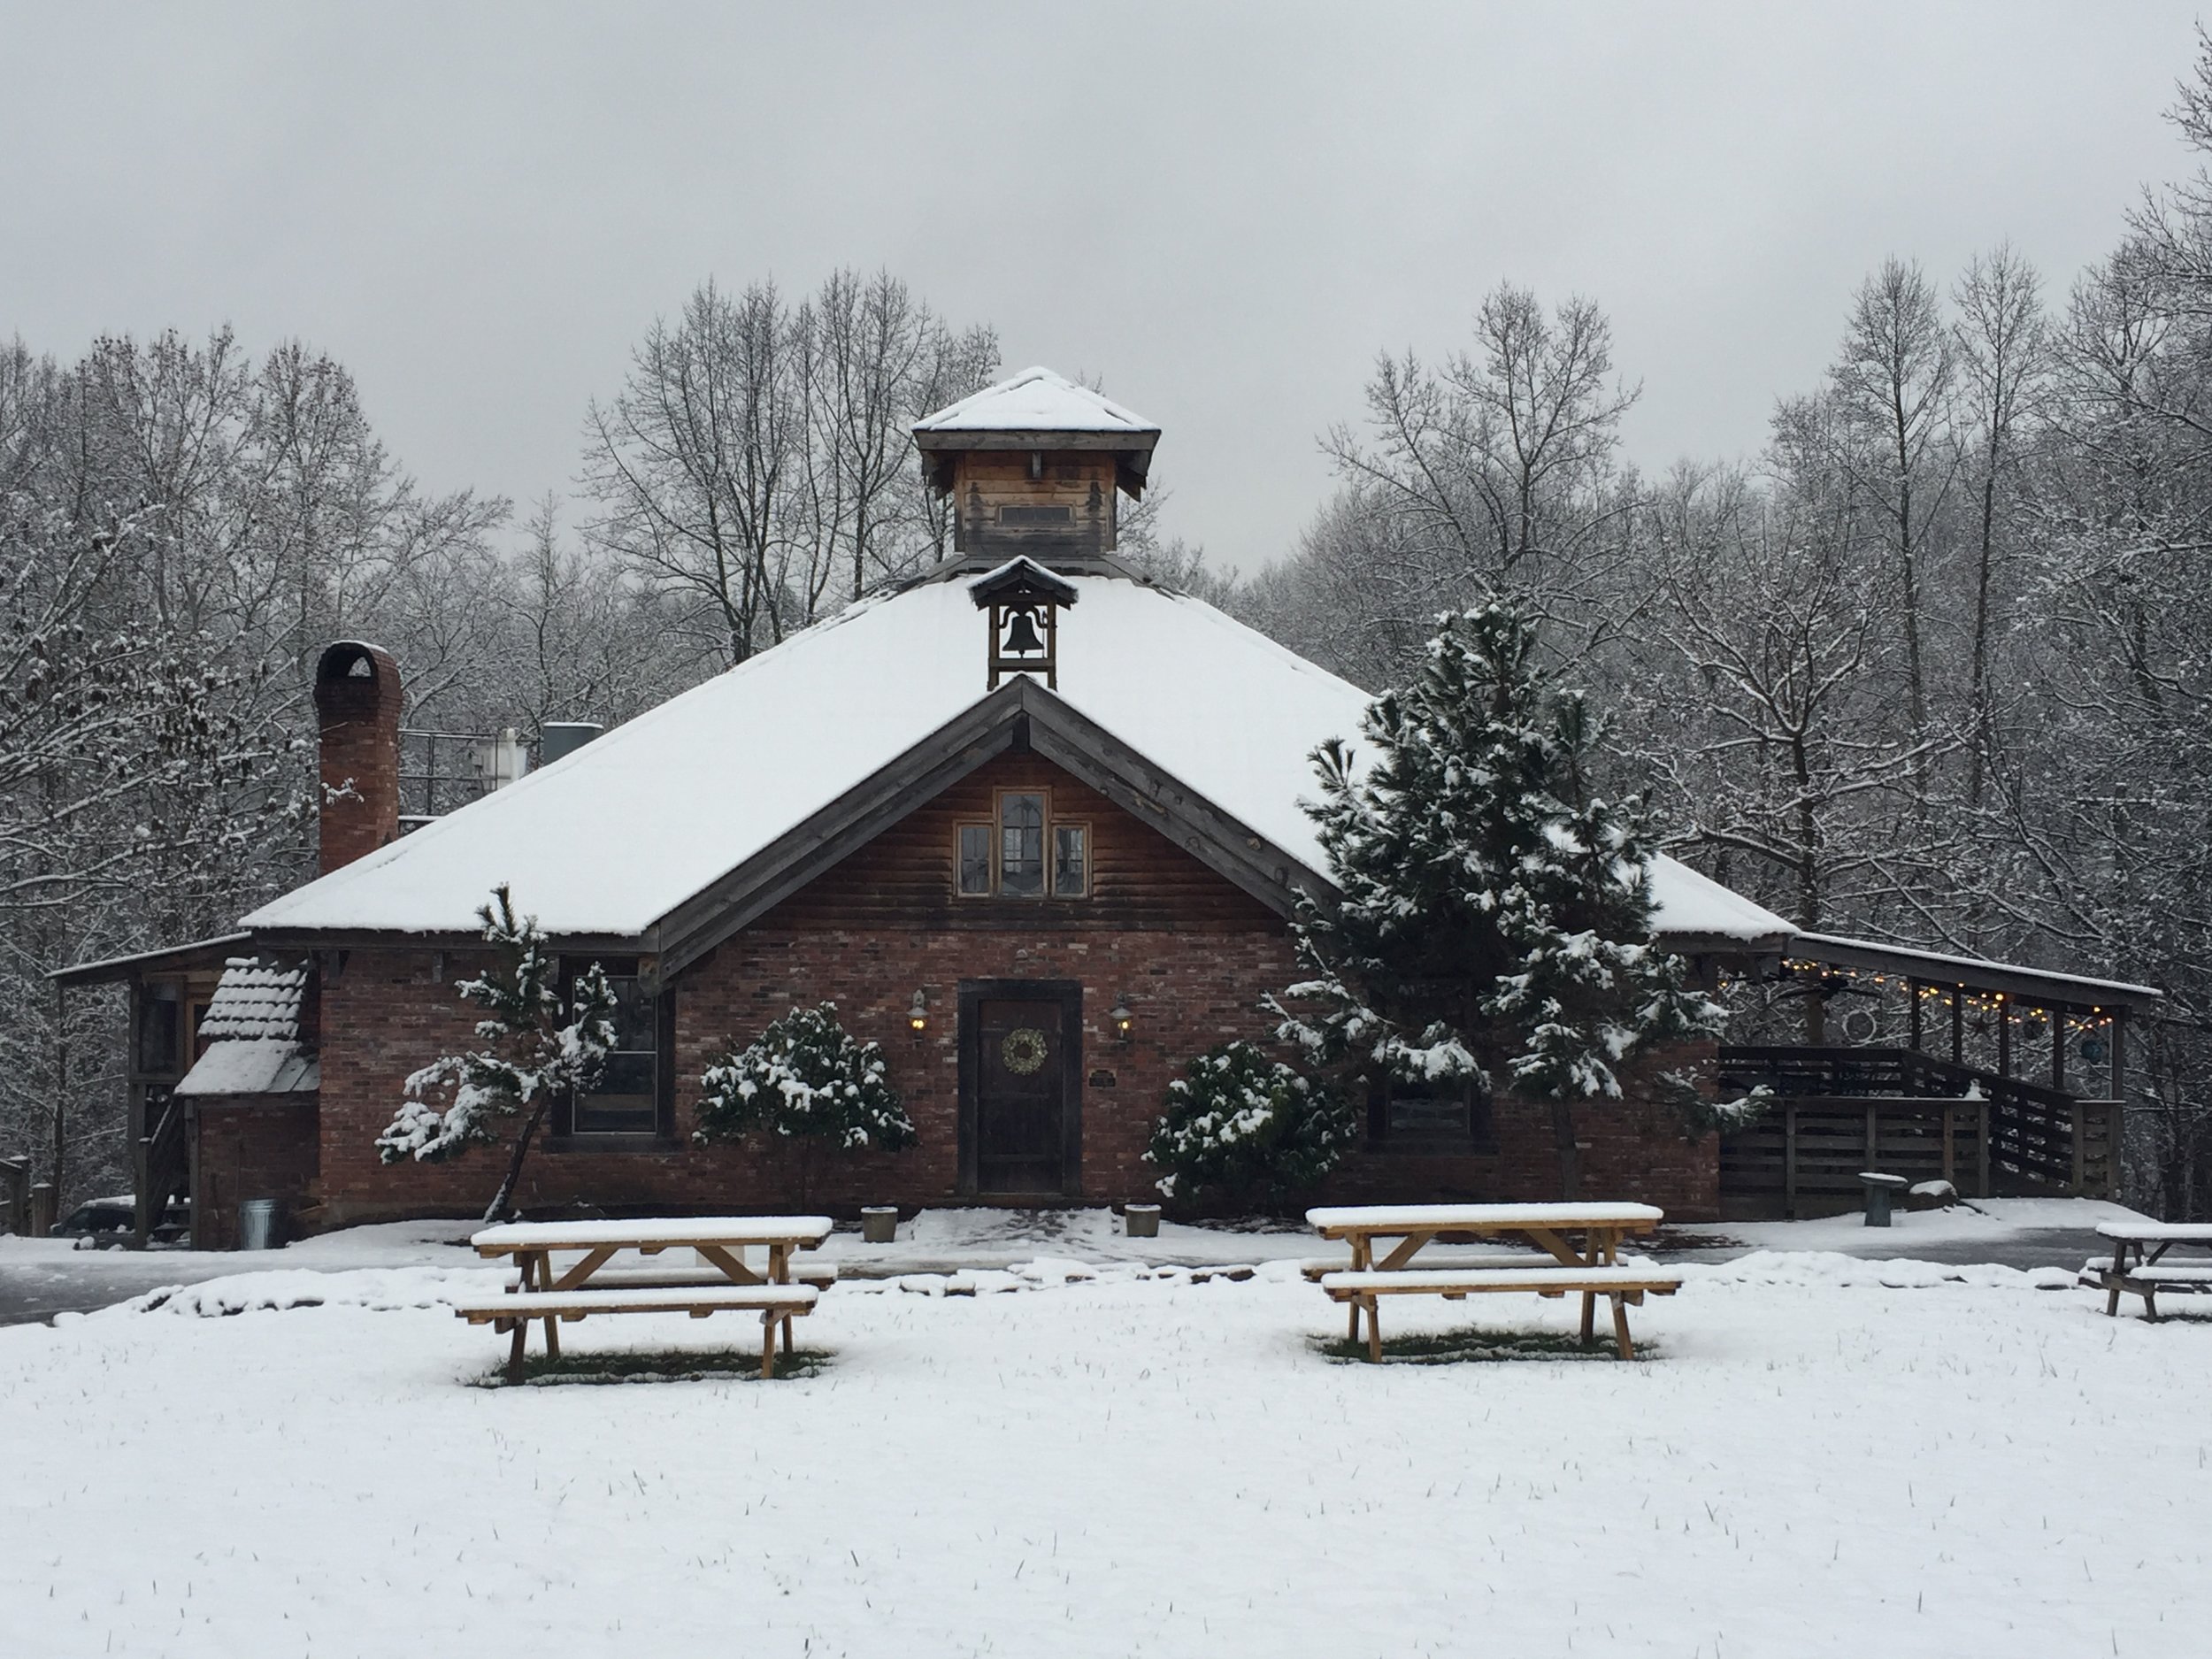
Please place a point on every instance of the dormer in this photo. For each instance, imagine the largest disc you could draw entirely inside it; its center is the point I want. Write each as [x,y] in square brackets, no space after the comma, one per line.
[1035,467]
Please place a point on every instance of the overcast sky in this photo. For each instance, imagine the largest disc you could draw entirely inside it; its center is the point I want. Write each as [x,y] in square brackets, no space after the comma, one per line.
[1223,212]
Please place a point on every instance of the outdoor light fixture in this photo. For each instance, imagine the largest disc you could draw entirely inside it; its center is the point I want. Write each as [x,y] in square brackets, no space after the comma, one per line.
[917,1015]
[1120,1016]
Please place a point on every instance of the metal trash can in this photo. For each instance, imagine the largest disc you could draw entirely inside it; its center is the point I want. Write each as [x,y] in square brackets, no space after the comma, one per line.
[1140,1221]
[260,1223]
[880,1223]
[1880,1189]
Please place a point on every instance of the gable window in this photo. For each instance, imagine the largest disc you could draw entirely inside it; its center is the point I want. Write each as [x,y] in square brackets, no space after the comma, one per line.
[1070,870]
[1021,846]
[627,1100]
[975,860]
[1028,854]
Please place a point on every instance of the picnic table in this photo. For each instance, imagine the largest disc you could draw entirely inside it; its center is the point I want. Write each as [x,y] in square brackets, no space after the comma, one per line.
[723,1277]
[2138,1264]
[1580,1246]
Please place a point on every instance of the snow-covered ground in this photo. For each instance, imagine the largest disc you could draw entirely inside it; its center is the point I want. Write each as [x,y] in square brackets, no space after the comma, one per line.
[1108,1458]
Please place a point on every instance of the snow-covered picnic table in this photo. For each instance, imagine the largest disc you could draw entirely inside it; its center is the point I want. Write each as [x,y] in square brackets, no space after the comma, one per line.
[1592,1267]
[2138,1264]
[721,1280]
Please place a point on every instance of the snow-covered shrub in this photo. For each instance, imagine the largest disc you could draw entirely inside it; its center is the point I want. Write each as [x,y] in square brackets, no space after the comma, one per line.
[806,1086]
[1242,1126]
[537,1048]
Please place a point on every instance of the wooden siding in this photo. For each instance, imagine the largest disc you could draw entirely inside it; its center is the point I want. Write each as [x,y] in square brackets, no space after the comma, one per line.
[907,877]
[987,481]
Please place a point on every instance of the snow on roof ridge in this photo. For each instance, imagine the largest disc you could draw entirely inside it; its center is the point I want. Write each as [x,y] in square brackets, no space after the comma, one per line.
[949,418]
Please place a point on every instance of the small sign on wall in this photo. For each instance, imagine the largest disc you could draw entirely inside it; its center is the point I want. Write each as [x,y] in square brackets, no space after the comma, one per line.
[1101,1078]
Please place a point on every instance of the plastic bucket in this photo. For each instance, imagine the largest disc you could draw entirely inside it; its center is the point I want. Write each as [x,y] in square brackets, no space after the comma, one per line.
[1140,1221]
[880,1223]
[259,1222]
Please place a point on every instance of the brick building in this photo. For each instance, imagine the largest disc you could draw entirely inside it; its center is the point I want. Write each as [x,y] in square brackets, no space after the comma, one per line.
[1032,822]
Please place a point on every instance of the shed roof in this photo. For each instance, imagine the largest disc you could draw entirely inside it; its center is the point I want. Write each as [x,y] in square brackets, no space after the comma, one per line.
[610,840]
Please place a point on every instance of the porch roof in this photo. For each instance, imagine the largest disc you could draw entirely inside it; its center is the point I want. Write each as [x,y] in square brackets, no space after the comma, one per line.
[2039,987]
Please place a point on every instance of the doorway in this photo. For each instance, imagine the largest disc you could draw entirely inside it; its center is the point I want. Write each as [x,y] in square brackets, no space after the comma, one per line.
[1021,1070]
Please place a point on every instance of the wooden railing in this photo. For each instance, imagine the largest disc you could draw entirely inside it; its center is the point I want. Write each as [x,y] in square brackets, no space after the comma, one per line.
[164,1164]
[1843,1110]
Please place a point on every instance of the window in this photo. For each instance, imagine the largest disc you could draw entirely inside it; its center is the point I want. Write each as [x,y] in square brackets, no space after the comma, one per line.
[628,1100]
[1069,871]
[159,1028]
[975,860]
[1021,849]
[1028,854]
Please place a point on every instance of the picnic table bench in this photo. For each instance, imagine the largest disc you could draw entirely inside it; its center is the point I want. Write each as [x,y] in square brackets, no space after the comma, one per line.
[1593,1268]
[2137,1265]
[723,1280]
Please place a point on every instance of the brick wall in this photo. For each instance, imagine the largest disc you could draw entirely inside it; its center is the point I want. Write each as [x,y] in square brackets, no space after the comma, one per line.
[865,937]
[253,1147]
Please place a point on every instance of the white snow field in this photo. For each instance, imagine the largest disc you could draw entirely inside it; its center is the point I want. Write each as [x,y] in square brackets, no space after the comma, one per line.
[1118,1459]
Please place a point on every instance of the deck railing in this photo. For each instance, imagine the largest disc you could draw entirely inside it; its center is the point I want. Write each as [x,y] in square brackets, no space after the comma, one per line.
[1843,1110]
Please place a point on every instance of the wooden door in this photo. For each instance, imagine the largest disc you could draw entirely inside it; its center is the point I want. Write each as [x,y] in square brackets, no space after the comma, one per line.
[1022,1051]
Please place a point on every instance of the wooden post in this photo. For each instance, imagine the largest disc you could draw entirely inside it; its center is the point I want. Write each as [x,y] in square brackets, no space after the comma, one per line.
[2004,1039]
[1944,1111]
[1873,1138]
[43,1199]
[1912,1015]
[2115,1128]
[2081,1150]
[1789,1161]
[2119,1054]
[1981,1153]
[1958,1025]
[2058,1047]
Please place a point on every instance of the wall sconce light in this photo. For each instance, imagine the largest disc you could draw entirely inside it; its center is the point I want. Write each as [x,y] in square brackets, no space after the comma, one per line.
[1119,1016]
[917,1015]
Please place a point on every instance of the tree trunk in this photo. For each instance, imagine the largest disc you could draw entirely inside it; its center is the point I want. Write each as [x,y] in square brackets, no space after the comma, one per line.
[496,1210]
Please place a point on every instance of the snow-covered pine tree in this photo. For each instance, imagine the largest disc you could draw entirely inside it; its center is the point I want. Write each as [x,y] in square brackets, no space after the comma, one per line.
[1494,922]
[806,1086]
[537,1047]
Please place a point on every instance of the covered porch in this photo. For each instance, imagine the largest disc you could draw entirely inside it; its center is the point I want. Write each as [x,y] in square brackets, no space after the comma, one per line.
[2003,1081]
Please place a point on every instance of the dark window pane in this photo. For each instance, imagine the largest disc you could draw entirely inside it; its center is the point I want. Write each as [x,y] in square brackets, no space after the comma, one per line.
[1067,870]
[1427,1117]
[975,858]
[626,1102]
[1021,857]
[157,1034]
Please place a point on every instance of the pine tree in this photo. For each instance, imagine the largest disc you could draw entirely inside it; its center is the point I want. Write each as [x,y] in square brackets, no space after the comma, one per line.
[537,1049]
[1494,919]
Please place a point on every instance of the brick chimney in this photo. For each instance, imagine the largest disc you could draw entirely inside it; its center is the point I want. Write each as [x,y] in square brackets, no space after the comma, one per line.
[357,706]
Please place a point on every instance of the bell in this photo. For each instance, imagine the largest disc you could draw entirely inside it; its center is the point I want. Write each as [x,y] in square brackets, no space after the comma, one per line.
[1021,636]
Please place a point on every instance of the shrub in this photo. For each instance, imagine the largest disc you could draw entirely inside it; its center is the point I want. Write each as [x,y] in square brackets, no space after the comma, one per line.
[1243,1127]
[805,1089]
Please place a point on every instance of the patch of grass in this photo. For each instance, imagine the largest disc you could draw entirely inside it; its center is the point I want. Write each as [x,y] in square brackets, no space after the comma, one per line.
[668,1366]
[1463,1347]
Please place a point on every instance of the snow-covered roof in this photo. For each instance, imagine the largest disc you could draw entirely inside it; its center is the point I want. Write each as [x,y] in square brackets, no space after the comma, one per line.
[1037,400]
[252,1025]
[609,840]
[256,999]
[252,1066]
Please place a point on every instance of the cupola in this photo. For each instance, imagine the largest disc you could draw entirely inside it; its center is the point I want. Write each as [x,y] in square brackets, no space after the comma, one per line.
[1035,467]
